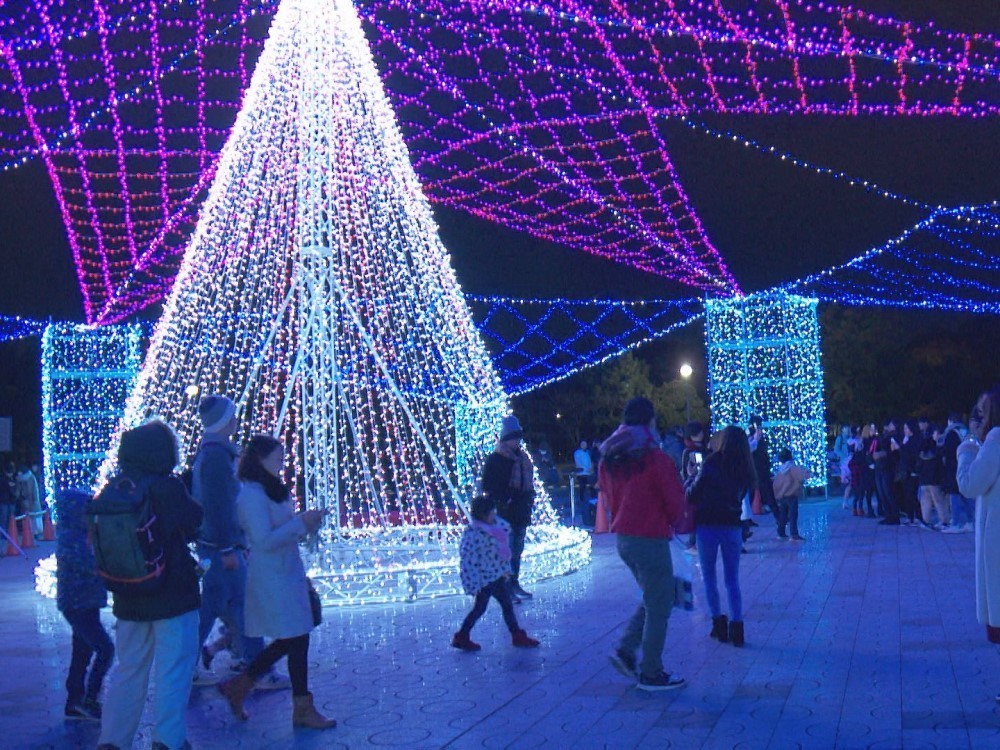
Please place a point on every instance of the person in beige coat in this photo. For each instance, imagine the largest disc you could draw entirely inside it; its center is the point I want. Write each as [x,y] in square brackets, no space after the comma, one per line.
[979,477]
[277,592]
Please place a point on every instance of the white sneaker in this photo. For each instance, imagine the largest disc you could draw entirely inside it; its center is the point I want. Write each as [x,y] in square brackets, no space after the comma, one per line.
[968,528]
[273,681]
[951,530]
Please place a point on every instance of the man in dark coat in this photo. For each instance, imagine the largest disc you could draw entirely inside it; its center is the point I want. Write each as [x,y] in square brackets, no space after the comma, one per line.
[762,465]
[160,628]
[509,479]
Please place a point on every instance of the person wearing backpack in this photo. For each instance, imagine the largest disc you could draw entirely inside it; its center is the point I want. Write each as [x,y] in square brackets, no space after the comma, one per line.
[157,620]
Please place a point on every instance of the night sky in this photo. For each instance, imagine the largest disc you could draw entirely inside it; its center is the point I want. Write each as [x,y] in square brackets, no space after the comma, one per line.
[772,222]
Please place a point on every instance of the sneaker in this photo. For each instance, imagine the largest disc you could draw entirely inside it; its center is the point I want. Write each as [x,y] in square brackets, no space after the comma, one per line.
[93,706]
[273,681]
[625,663]
[969,528]
[796,538]
[201,678]
[952,530]
[662,681]
[79,712]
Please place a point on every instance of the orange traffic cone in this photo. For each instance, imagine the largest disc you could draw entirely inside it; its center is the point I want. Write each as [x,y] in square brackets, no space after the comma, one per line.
[27,537]
[12,533]
[48,531]
[601,521]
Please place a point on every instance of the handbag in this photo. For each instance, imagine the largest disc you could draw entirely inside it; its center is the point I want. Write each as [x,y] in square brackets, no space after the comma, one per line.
[683,591]
[315,604]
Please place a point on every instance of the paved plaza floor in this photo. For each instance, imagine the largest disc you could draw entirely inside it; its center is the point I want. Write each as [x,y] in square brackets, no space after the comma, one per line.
[862,636]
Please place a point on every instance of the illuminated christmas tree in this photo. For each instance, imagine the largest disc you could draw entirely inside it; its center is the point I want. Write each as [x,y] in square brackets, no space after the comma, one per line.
[316,293]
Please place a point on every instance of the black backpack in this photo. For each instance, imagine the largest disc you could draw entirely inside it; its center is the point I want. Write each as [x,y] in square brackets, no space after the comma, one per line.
[123,532]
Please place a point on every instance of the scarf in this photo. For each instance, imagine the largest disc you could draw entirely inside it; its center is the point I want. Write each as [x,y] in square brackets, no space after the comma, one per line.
[628,441]
[522,476]
[497,532]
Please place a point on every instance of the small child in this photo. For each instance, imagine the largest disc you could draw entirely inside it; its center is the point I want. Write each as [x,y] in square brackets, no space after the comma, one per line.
[787,486]
[485,556]
[80,594]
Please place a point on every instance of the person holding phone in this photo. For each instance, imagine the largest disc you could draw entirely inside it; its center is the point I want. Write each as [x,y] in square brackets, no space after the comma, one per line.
[979,477]
[277,594]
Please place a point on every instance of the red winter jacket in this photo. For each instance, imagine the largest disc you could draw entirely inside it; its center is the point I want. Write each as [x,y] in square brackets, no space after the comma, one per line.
[644,494]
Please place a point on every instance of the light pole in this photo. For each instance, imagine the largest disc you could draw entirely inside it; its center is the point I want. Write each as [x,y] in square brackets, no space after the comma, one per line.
[686,371]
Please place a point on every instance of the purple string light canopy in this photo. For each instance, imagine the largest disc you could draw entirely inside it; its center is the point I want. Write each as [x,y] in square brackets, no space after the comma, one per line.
[545,118]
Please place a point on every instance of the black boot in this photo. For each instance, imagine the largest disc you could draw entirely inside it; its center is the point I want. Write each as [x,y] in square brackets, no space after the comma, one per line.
[720,628]
[736,633]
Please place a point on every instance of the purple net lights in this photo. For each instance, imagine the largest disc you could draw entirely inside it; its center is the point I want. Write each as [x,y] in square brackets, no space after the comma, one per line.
[547,118]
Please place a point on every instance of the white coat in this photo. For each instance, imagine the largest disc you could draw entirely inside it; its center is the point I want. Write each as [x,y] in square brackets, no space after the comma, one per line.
[979,477]
[277,593]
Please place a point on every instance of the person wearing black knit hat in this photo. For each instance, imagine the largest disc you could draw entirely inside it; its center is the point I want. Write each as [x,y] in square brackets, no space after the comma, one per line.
[509,480]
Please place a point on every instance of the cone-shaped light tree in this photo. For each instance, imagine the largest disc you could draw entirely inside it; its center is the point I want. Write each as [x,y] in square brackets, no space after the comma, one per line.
[317,294]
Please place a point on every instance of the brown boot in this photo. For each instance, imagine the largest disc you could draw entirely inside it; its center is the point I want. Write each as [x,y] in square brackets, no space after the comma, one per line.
[305,715]
[236,691]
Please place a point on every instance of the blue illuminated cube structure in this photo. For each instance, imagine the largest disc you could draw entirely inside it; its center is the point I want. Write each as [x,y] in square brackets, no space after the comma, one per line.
[764,359]
[87,374]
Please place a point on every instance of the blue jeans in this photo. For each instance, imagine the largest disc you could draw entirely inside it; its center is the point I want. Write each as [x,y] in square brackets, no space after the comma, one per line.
[90,639]
[963,510]
[649,560]
[222,597]
[710,540]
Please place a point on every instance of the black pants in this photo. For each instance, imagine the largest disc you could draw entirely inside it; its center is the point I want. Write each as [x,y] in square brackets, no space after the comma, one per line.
[297,651]
[788,514]
[516,549]
[499,591]
[89,639]
[910,504]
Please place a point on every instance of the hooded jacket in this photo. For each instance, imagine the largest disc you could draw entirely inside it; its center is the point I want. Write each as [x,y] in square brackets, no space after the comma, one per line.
[149,453]
[641,483]
[77,583]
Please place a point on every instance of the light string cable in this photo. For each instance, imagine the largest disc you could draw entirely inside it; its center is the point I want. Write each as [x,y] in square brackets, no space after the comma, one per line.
[528,357]
[74,130]
[939,263]
[734,35]
[700,276]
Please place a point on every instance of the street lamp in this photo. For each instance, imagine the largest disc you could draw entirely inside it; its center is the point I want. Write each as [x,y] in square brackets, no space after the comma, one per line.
[686,371]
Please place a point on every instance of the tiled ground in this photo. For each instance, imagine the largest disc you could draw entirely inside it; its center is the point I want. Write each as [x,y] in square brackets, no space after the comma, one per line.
[864,636]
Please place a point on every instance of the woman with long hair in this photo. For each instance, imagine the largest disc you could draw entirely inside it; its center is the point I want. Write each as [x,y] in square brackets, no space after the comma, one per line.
[277,594]
[979,477]
[717,492]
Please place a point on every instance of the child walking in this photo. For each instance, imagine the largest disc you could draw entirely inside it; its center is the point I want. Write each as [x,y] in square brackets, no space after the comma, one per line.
[80,594]
[485,568]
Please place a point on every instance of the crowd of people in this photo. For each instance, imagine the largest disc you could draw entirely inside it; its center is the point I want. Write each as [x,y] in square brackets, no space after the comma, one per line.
[233,501]
[22,495]
[229,534]
[905,473]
